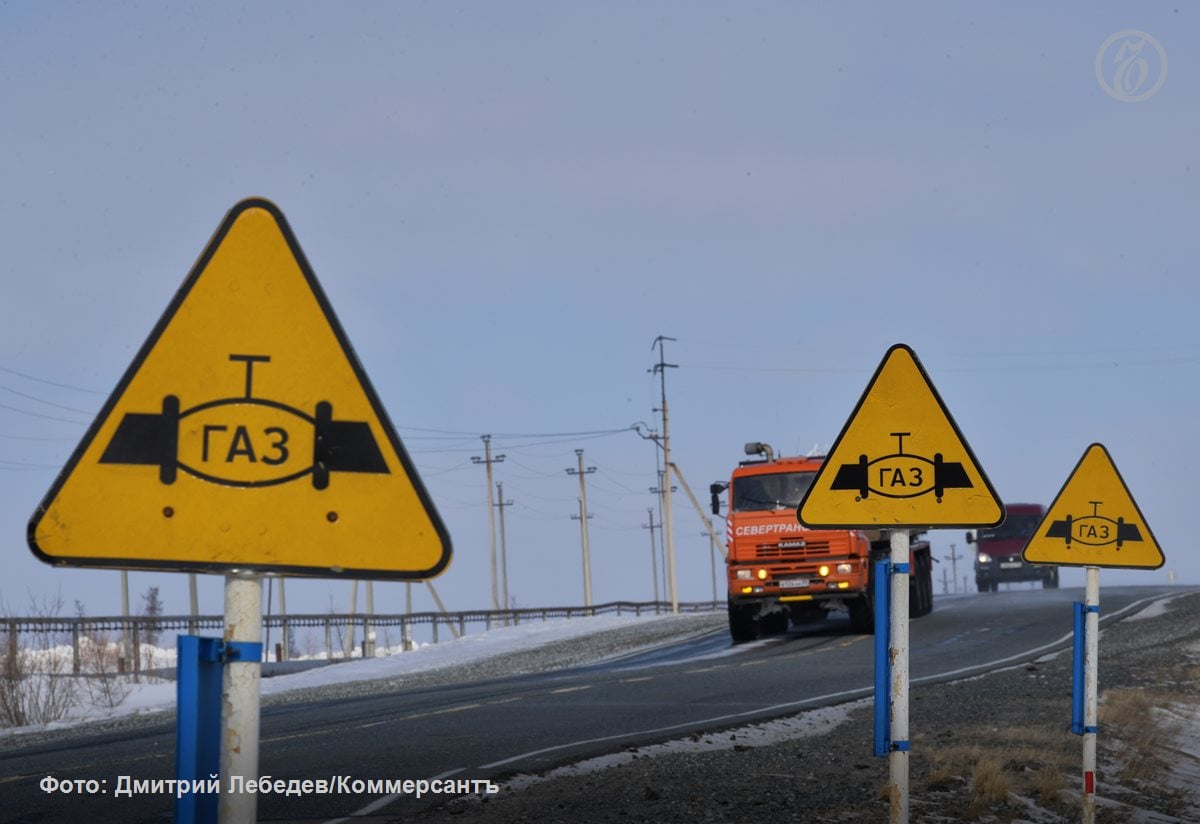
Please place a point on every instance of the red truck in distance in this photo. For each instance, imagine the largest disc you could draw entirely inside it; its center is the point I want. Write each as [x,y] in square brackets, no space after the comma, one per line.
[999,550]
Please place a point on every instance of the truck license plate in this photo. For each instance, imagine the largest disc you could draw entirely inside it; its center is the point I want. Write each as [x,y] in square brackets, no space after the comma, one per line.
[793,582]
[1011,565]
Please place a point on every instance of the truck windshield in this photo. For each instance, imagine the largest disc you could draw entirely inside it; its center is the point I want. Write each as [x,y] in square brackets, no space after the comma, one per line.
[1014,526]
[764,492]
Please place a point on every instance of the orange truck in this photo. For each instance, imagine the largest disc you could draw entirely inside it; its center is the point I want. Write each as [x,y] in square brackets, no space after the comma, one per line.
[779,571]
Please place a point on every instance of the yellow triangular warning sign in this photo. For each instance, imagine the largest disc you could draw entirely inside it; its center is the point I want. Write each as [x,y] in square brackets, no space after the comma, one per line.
[900,460]
[1094,521]
[245,435]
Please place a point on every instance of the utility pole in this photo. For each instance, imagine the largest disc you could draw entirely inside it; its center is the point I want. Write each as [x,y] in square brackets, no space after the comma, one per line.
[583,519]
[406,640]
[283,621]
[348,648]
[193,604]
[123,658]
[488,460]
[953,559]
[653,554]
[658,490]
[369,626]
[501,504]
[711,535]
[660,369]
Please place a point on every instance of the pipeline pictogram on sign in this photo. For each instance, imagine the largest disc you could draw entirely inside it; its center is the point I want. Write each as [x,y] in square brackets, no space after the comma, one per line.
[245,441]
[901,474]
[1094,529]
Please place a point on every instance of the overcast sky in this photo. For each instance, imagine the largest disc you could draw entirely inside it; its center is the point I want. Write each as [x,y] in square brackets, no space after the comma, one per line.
[507,203]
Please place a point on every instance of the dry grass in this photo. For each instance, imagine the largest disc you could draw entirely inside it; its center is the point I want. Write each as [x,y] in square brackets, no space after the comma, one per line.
[990,786]
[1047,785]
[1132,733]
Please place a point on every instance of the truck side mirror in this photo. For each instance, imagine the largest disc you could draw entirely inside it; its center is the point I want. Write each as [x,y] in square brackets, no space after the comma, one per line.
[715,490]
[970,537]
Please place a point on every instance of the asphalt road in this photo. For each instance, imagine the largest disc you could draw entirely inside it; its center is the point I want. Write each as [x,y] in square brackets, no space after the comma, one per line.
[529,723]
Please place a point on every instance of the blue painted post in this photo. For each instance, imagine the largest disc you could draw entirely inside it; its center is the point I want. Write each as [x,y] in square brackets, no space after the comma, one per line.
[198,724]
[883,666]
[1077,659]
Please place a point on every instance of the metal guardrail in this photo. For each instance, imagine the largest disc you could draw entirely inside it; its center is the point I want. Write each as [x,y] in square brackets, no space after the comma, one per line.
[135,627]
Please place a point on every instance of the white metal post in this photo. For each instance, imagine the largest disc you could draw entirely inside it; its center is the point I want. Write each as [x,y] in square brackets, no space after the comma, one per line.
[240,700]
[898,652]
[1091,672]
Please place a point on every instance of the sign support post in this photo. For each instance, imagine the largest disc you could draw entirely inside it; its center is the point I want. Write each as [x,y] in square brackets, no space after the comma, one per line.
[898,653]
[240,700]
[1093,522]
[1091,690]
[900,463]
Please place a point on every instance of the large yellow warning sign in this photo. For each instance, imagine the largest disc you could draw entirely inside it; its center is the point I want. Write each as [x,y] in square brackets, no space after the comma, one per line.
[900,460]
[1094,521]
[245,435]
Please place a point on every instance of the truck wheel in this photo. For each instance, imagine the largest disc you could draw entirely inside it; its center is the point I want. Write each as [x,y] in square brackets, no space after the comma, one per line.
[920,593]
[777,623]
[862,615]
[743,622]
[982,585]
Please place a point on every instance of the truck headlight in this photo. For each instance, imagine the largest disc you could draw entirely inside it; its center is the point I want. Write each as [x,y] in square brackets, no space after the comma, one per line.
[845,569]
[984,558]
[743,575]
[823,570]
[762,575]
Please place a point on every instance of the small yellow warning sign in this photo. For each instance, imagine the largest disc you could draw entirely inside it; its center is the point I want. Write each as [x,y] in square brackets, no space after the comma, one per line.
[1094,521]
[900,460]
[244,435]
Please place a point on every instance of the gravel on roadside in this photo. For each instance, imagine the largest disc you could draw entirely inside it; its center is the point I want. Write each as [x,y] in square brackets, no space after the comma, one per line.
[992,748]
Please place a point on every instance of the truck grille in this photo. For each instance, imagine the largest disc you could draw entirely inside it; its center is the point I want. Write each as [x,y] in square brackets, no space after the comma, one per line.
[791,549]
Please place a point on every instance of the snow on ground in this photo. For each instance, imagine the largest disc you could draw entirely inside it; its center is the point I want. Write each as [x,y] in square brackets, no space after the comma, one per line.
[157,695]
[804,725]
[1159,607]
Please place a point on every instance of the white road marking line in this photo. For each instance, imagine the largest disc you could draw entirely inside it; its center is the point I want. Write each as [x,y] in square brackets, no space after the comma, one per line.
[384,800]
[804,701]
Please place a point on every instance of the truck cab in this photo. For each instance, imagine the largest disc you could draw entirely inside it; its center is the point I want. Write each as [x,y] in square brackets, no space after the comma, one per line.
[998,550]
[779,571]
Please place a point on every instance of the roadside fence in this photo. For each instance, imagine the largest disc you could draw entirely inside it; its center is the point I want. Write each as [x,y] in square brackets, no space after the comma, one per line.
[136,630]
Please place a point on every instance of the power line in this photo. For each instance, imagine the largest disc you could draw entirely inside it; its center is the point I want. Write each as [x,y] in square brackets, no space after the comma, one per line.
[51,383]
[40,415]
[36,399]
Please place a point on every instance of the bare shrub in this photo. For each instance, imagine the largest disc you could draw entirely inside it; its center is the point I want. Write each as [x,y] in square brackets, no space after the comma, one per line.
[36,686]
[104,684]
